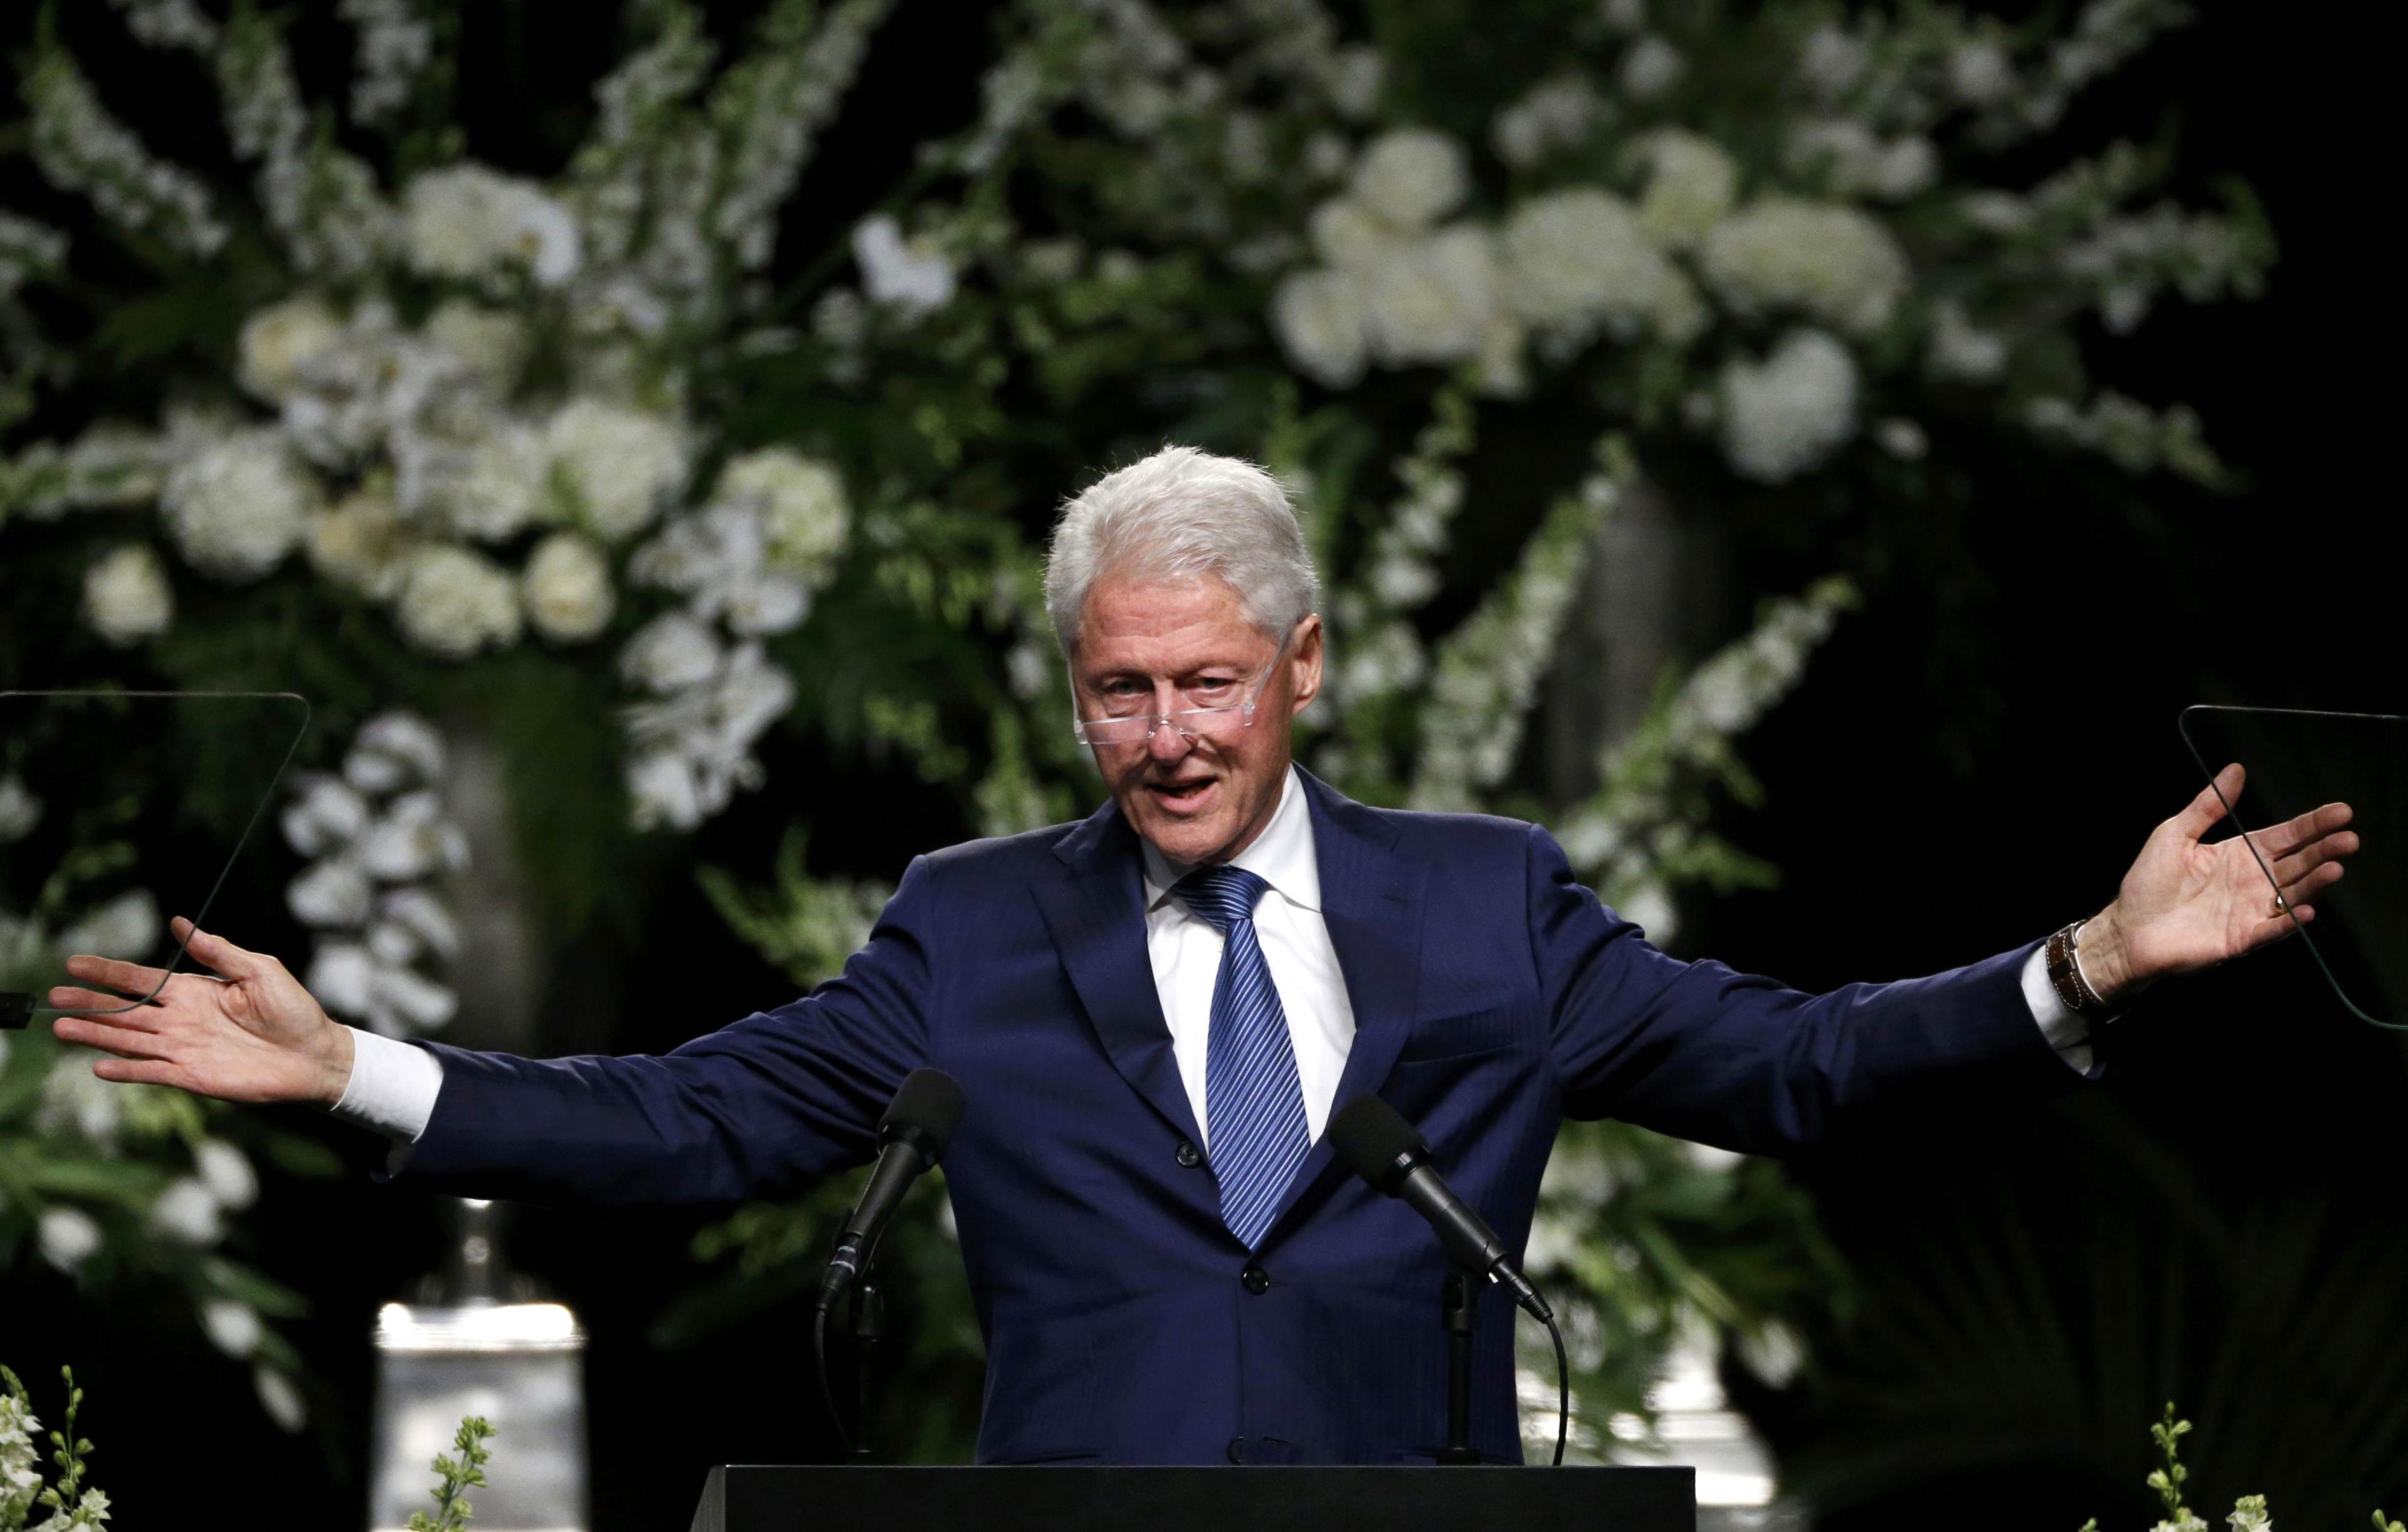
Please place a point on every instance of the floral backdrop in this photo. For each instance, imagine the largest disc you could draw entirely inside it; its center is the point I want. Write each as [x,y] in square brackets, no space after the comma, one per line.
[619,471]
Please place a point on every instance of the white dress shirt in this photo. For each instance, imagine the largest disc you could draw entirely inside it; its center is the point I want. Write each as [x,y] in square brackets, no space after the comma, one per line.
[393,1085]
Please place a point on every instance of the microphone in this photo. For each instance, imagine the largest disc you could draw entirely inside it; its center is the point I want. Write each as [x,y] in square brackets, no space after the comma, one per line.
[911,1137]
[1383,1149]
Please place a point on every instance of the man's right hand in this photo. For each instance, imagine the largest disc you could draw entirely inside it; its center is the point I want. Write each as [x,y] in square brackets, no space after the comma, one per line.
[252,1035]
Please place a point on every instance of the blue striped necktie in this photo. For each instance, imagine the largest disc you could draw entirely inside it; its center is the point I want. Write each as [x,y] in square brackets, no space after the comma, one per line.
[1254,1106]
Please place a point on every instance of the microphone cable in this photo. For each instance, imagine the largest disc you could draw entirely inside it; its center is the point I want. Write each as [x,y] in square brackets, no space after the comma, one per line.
[828,1395]
[1563,1390]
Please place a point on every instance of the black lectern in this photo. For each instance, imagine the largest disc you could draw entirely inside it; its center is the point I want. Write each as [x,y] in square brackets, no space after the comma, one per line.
[747,1497]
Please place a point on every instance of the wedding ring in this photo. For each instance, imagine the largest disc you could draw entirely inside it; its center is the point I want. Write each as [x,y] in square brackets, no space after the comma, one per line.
[2282,906]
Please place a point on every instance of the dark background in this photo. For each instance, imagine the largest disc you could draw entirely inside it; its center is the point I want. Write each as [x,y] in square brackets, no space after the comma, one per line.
[1972,761]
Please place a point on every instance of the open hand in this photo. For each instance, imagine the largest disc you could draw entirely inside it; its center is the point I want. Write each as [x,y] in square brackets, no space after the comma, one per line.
[251,1034]
[2187,904]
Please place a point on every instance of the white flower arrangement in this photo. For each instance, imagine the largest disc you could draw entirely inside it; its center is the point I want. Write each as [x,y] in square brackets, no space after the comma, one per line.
[377,841]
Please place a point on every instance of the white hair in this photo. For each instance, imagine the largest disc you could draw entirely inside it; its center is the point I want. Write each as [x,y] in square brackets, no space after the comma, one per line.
[1176,515]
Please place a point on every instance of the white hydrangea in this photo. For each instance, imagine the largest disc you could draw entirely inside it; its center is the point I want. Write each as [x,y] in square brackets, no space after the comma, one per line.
[1692,184]
[1831,61]
[492,343]
[126,597]
[1322,321]
[455,602]
[800,501]
[280,340]
[469,223]
[1577,259]
[1410,179]
[621,463]
[1556,115]
[362,544]
[910,278]
[1829,262]
[567,590]
[500,489]
[1787,414]
[1432,301]
[239,507]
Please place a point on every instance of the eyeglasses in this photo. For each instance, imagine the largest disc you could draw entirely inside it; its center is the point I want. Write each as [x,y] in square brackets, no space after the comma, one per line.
[1215,722]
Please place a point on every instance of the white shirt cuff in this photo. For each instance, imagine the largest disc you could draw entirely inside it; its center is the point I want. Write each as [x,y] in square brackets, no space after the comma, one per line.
[2066,1032]
[392,1087]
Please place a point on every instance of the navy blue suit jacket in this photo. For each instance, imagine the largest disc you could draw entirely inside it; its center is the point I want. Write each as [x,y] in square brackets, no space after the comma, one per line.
[1493,995]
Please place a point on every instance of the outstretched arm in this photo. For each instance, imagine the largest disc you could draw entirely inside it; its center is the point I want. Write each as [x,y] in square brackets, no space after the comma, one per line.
[247,1031]
[2188,905]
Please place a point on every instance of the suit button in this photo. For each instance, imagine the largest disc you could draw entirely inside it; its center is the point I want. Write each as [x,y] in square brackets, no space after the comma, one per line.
[1236,1449]
[1189,1155]
[1257,1280]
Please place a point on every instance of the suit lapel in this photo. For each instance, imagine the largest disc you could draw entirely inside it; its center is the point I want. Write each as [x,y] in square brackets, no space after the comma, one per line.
[1371,902]
[1097,916]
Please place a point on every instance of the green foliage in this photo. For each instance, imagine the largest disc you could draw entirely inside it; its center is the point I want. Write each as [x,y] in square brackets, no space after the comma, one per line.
[454,1476]
[71,1502]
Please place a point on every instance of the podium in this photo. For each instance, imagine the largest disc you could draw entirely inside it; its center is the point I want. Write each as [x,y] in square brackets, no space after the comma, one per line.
[749,1497]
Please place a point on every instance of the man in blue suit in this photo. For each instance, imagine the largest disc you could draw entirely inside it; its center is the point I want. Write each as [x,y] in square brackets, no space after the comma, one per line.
[1156,1012]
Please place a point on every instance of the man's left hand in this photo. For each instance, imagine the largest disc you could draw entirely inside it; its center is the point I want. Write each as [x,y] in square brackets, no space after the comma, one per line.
[2187,904]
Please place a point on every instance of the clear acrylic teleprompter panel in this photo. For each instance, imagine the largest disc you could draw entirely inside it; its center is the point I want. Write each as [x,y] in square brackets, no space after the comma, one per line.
[120,809]
[2297,761]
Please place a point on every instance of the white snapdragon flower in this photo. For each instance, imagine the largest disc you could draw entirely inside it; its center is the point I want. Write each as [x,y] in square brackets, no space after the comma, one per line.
[911,278]
[1831,61]
[232,1327]
[1556,115]
[566,588]
[1981,73]
[186,1213]
[1961,351]
[126,597]
[1858,162]
[469,223]
[20,811]
[1576,259]
[455,602]
[75,1100]
[68,1237]
[1831,263]
[2249,1514]
[362,544]
[335,891]
[1692,184]
[227,1172]
[671,652]
[392,751]
[126,926]
[279,1397]
[280,340]
[1411,179]
[237,508]
[1431,302]
[1323,323]
[1788,413]
[805,514]
[621,464]
[1650,67]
